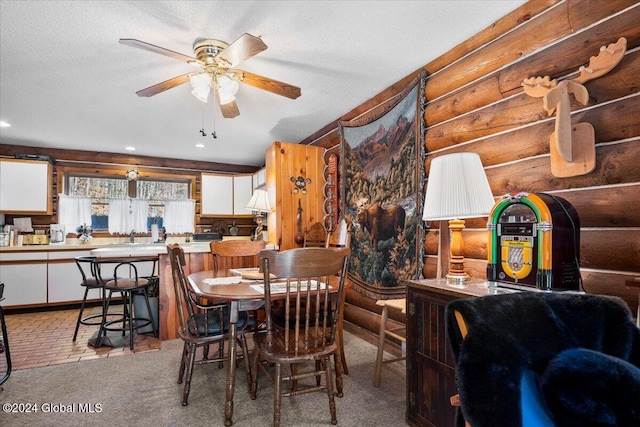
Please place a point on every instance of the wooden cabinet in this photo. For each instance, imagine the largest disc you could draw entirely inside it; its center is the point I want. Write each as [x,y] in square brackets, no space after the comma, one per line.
[24,277]
[430,362]
[225,195]
[286,165]
[26,187]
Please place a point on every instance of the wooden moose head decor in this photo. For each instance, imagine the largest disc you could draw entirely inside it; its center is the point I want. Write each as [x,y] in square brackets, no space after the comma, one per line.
[572,147]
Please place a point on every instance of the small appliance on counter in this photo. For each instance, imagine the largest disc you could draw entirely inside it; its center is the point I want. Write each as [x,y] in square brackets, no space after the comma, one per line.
[206,237]
[35,239]
[57,234]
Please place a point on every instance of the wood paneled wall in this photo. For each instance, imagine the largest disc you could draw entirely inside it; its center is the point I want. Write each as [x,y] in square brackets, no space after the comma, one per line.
[475,102]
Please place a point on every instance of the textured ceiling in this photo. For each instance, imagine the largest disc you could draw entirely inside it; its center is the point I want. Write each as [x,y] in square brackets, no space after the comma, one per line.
[66,82]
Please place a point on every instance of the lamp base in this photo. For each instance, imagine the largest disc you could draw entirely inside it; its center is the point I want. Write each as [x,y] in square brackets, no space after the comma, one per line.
[456,260]
[454,277]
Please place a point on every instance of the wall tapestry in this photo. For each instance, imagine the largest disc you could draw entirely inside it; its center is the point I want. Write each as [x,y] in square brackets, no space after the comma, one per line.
[380,187]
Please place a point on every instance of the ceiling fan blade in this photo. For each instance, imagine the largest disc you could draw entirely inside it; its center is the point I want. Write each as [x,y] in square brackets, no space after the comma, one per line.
[157,49]
[244,47]
[229,110]
[265,83]
[166,85]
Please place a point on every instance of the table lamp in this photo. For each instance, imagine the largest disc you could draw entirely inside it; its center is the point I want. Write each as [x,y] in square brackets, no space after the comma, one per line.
[259,204]
[457,188]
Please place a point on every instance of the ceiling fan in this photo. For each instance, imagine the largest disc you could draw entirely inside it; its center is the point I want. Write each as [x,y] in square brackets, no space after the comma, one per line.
[217,60]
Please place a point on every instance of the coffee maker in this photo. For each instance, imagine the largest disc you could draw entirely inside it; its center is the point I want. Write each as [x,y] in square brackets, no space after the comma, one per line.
[57,234]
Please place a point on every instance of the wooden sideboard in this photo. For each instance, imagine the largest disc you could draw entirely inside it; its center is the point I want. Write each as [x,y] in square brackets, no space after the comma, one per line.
[430,363]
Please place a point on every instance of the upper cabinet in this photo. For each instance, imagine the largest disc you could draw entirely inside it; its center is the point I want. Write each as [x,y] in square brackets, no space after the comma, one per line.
[260,178]
[225,195]
[26,187]
[242,191]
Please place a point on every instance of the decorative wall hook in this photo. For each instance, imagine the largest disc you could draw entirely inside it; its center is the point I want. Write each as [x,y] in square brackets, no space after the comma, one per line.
[572,147]
[300,184]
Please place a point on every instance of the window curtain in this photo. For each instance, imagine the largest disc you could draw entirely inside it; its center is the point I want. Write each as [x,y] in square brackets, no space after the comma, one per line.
[179,216]
[73,212]
[128,214]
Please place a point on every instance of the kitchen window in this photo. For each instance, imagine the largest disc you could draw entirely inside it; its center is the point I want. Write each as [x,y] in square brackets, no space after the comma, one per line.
[102,188]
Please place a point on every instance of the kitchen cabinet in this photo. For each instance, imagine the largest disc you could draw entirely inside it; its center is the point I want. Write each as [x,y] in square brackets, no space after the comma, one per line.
[216,195]
[64,278]
[25,278]
[26,187]
[260,178]
[295,183]
[225,195]
[242,191]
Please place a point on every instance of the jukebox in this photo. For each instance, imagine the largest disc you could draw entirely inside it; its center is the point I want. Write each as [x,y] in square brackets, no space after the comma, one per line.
[534,240]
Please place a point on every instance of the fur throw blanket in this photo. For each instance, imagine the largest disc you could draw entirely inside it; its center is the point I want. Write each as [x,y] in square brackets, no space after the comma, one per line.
[584,351]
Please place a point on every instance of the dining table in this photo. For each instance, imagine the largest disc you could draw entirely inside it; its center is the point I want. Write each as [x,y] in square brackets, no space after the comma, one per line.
[241,294]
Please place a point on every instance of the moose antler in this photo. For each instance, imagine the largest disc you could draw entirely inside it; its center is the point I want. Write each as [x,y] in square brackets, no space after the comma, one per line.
[606,61]
[538,86]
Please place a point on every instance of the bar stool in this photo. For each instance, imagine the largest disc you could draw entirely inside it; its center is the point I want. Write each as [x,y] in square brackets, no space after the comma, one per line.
[396,333]
[90,280]
[128,287]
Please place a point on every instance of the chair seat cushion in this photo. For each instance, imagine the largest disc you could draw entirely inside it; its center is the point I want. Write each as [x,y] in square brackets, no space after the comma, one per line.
[92,282]
[126,284]
[212,325]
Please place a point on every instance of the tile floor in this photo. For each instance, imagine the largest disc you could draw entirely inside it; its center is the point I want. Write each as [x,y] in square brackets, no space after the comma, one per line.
[45,338]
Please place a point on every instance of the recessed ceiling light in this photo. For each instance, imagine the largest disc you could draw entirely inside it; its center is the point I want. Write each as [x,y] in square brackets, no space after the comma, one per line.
[200,145]
[4,125]
[130,148]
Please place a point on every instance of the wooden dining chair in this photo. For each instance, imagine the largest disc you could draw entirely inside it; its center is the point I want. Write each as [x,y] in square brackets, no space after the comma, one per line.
[228,254]
[200,324]
[308,333]
[315,236]
[340,237]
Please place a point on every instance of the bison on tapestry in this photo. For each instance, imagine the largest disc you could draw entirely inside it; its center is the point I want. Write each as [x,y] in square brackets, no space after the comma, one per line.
[382,223]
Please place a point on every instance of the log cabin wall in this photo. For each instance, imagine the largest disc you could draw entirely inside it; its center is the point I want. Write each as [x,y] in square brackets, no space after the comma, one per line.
[475,102]
[111,163]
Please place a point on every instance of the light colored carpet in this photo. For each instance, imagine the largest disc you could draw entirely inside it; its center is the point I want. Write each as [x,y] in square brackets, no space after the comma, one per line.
[141,390]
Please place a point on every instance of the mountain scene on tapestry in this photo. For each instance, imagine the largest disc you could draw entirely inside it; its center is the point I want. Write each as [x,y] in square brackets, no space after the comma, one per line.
[380,174]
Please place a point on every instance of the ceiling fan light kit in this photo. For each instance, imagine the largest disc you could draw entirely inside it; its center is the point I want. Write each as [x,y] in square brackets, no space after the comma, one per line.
[200,84]
[217,60]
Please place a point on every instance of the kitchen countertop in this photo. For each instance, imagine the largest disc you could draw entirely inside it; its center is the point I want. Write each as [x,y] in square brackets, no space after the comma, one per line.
[115,247]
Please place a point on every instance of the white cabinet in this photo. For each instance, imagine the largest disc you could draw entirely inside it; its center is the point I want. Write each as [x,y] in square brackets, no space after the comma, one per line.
[25,278]
[26,186]
[216,194]
[225,195]
[64,278]
[242,191]
[260,178]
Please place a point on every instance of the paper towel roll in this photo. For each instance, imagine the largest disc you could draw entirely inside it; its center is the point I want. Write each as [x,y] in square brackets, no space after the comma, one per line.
[154,233]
